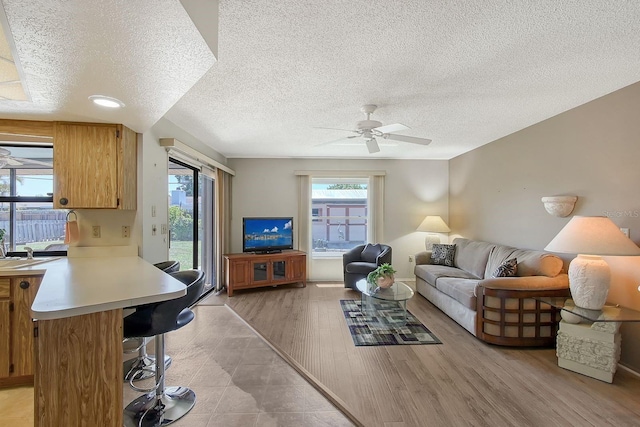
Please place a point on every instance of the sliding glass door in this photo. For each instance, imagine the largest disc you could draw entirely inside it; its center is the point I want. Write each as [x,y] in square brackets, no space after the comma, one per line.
[191,221]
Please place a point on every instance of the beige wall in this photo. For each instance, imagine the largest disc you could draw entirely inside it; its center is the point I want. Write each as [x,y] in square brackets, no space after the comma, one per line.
[592,152]
[413,189]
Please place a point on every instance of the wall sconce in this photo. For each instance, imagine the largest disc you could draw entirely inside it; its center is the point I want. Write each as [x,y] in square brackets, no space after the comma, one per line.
[560,206]
[433,224]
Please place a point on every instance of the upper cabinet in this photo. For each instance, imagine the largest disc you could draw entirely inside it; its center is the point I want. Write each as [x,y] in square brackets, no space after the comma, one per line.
[94,166]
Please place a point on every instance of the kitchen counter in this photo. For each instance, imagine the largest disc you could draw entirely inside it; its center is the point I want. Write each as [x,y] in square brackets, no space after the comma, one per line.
[78,345]
[77,286]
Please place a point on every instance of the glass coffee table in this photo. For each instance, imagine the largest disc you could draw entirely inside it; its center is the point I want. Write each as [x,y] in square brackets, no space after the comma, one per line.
[398,293]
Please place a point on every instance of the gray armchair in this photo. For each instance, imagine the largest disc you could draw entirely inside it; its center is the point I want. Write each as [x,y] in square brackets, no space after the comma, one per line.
[362,260]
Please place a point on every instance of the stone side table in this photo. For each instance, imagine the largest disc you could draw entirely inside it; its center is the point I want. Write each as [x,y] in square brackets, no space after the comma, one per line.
[591,349]
[588,341]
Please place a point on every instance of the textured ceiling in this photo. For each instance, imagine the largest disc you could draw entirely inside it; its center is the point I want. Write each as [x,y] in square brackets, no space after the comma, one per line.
[462,73]
[147,54]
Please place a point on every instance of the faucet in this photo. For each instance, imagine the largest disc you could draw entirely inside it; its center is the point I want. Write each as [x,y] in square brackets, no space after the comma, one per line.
[29,252]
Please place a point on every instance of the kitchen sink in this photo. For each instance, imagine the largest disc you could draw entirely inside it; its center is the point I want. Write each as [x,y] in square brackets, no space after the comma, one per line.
[14,262]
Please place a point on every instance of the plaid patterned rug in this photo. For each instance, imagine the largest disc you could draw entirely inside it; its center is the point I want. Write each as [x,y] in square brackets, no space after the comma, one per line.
[382,328]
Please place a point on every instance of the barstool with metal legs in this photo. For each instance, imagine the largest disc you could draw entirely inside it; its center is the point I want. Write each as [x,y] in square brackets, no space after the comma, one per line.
[162,405]
[144,365]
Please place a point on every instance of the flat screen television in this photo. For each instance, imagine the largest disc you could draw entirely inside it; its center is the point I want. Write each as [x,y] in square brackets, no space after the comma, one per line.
[267,234]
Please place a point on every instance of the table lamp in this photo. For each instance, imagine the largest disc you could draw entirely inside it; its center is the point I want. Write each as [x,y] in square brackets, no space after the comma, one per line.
[591,238]
[433,224]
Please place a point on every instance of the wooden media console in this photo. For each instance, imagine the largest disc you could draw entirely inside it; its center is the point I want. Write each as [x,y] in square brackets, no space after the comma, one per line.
[249,270]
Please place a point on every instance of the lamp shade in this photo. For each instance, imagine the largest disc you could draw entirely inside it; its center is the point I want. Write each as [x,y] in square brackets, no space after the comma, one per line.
[433,224]
[592,235]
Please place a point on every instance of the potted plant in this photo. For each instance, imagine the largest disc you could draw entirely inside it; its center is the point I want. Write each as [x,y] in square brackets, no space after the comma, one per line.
[382,276]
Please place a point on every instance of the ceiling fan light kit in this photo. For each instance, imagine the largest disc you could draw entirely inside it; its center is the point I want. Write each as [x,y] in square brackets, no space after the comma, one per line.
[372,129]
[372,146]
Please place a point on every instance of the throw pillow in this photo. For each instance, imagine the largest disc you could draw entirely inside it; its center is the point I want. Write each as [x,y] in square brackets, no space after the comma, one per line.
[370,252]
[443,254]
[509,268]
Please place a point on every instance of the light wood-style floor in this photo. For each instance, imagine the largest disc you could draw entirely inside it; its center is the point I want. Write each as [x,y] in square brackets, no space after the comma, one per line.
[462,382]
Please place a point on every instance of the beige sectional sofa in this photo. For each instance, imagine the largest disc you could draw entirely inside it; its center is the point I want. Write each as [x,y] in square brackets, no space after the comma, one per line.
[496,310]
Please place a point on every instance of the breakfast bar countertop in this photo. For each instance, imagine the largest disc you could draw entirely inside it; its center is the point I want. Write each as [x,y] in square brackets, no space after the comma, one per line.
[77,286]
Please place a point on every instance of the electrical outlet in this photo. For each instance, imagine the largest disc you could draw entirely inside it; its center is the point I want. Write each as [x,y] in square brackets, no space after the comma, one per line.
[154,229]
[163,228]
[410,258]
[95,231]
[126,231]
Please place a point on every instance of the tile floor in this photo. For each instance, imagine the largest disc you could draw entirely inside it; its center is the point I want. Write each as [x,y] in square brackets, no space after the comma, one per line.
[238,380]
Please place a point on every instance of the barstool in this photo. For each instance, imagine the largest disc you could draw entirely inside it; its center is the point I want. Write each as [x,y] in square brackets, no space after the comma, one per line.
[161,406]
[144,365]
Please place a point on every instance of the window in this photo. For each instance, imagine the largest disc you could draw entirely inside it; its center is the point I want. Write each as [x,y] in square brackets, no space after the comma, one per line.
[26,199]
[339,213]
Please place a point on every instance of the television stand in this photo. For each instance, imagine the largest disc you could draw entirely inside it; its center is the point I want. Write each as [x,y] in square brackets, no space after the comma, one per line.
[256,270]
[270,251]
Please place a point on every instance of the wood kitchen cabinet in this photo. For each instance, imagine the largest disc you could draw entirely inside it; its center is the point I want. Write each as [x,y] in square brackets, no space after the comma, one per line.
[94,166]
[17,329]
[248,270]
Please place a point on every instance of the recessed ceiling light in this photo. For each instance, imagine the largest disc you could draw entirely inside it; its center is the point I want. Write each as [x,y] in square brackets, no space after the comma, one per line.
[106,101]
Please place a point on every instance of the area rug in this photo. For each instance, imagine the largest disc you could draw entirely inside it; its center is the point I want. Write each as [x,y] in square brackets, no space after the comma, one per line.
[381,328]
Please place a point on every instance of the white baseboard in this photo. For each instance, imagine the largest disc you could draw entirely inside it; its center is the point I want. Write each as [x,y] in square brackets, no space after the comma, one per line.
[631,371]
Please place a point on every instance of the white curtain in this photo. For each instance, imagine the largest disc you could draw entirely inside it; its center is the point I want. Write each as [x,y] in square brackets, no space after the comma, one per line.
[223,222]
[376,209]
[304,215]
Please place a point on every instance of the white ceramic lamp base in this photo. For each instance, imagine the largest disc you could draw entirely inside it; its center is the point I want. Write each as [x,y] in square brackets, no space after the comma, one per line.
[589,278]
[431,240]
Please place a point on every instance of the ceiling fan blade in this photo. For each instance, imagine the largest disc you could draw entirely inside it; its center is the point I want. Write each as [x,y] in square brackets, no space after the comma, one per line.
[21,161]
[372,146]
[13,161]
[345,130]
[396,127]
[405,138]
[334,141]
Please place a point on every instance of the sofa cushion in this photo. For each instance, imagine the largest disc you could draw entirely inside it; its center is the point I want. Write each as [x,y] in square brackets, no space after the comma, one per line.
[370,252]
[443,254]
[360,267]
[430,273]
[537,263]
[507,268]
[472,256]
[462,290]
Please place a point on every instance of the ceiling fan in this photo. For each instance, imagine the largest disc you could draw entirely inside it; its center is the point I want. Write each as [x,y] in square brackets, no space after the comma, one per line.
[372,129]
[7,159]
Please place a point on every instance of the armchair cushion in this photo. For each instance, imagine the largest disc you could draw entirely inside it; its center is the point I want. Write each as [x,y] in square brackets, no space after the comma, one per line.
[360,267]
[370,252]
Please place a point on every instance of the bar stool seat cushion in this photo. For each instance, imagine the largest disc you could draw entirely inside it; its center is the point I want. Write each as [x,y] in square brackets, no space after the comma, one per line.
[165,316]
